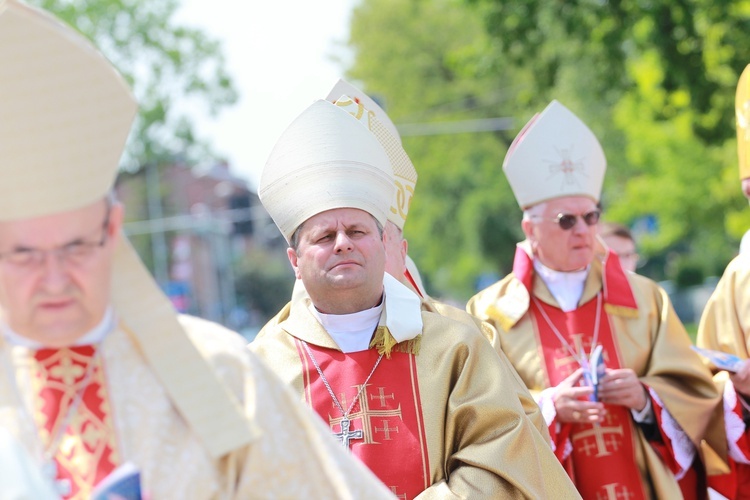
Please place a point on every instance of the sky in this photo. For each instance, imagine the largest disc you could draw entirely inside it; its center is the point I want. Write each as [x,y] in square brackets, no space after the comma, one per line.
[279,53]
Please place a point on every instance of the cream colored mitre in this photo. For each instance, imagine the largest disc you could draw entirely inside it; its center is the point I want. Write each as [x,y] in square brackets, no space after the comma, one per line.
[554,155]
[404,173]
[325,159]
[65,114]
[742,114]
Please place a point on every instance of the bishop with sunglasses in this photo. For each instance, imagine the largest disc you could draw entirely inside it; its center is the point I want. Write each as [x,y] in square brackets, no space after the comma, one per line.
[626,400]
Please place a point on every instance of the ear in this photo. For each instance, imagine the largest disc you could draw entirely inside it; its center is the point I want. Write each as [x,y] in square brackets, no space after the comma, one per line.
[293,260]
[528,228]
[116,217]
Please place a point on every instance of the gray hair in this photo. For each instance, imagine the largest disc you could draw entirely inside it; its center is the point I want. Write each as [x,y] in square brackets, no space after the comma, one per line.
[534,211]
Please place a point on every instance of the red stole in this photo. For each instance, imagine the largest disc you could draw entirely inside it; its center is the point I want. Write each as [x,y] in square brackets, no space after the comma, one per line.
[87,450]
[388,412]
[603,462]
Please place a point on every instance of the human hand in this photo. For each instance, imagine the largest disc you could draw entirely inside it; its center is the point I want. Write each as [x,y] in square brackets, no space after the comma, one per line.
[622,387]
[741,379]
[569,405]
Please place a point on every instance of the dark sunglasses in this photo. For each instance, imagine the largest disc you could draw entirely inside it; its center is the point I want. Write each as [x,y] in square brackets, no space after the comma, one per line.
[567,221]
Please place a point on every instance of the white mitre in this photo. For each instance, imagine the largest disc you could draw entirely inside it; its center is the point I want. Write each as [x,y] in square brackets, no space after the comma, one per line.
[324,160]
[404,174]
[554,155]
[65,115]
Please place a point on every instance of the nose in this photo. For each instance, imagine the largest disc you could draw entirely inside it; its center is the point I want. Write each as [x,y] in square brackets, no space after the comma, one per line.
[55,276]
[343,243]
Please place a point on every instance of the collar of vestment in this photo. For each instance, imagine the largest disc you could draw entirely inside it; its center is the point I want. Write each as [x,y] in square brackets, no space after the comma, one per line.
[399,326]
[94,336]
[351,332]
[566,287]
[605,274]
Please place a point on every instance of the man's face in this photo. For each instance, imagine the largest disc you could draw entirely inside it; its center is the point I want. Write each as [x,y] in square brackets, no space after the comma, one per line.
[340,258]
[563,249]
[55,272]
[625,250]
[395,251]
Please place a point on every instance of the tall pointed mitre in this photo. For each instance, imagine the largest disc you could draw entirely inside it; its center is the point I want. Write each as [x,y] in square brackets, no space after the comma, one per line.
[367,111]
[742,112]
[554,155]
[65,114]
[324,160]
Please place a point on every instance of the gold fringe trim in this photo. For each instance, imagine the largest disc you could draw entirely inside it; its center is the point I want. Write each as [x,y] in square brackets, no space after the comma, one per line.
[386,343]
[623,311]
[505,322]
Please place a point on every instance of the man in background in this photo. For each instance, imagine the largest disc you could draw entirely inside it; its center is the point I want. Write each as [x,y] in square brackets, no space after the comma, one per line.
[619,239]
[626,400]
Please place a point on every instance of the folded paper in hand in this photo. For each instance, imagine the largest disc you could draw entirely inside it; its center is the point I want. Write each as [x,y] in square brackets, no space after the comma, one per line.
[721,360]
[594,370]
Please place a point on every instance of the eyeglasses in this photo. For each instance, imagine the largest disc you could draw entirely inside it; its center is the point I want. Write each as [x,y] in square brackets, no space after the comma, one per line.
[567,221]
[75,253]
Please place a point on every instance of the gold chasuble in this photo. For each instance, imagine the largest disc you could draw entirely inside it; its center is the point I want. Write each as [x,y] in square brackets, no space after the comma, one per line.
[125,415]
[633,321]
[723,327]
[433,418]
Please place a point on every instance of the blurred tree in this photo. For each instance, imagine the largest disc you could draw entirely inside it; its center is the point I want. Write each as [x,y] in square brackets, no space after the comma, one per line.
[662,75]
[654,80]
[163,62]
[427,62]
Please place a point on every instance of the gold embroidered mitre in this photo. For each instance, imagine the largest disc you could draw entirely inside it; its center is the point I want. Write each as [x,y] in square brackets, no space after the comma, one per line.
[366,110]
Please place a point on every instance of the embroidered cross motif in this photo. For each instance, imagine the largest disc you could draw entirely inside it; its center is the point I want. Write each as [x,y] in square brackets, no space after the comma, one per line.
[386,430]
[615,491]
[382,396]
[599,433]
[366,414]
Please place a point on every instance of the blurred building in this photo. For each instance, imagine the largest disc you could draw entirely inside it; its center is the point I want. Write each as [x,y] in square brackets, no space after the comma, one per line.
[191,226]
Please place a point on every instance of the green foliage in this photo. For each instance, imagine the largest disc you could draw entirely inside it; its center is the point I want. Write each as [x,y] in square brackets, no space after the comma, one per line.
[428,62]
[163,62]
[654,80]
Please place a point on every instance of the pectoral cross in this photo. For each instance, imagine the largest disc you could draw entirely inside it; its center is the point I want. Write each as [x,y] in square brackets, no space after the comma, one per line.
[61,486]
[346,435]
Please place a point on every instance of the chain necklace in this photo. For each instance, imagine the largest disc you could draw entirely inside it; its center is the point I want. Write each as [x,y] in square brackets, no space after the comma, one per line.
[48,466]
[579,357]
[345,435]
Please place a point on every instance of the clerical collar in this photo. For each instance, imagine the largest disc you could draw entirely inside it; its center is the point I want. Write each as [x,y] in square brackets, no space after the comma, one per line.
[403,318]
[94,336]
[566,287]
[352,332]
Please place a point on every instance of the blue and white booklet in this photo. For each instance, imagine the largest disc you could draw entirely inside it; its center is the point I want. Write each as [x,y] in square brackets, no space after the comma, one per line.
[123,483]
[594,370]
[721,360]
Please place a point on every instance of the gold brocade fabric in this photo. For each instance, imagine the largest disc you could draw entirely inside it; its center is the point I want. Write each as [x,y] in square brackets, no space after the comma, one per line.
[72,413]
[479,442]
[292,456]
[653,343]
[723,327]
